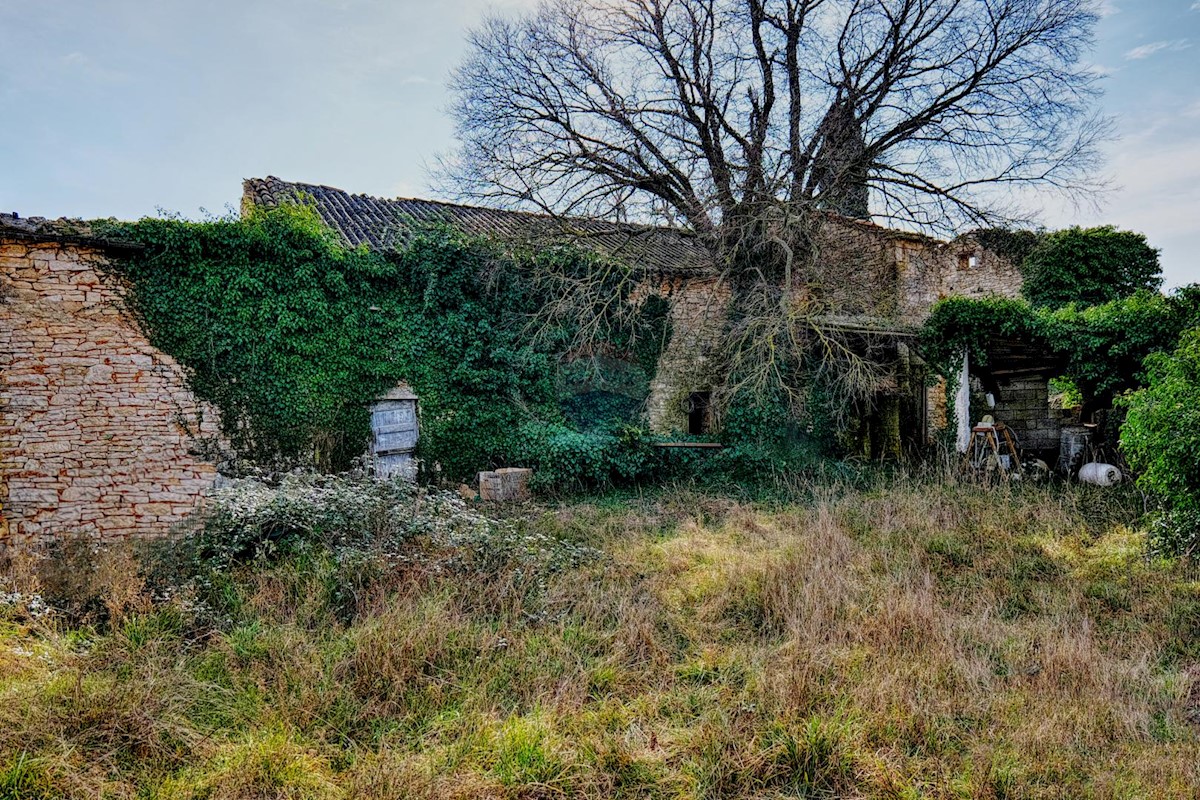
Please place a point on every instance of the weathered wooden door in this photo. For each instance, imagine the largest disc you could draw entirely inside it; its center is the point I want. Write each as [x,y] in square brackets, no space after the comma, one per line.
[394,433]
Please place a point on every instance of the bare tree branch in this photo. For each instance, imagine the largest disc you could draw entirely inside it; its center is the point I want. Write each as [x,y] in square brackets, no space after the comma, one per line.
[746,119]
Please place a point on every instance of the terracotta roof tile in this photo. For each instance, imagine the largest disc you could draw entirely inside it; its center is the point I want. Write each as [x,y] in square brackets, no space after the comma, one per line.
[387,224]
[62,230]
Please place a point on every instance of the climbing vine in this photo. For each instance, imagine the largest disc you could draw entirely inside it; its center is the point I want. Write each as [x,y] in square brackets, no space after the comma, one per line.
[276,324]
[291,335]
[1103,347]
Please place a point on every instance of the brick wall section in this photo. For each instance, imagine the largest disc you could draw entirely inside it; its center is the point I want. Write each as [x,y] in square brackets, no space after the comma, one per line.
[1023,405]
[97,427]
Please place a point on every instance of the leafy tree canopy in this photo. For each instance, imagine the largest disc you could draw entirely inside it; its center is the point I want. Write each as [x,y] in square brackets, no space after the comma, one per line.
[1089,266]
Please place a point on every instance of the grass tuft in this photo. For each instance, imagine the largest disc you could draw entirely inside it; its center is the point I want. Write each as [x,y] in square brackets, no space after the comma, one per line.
[894,639]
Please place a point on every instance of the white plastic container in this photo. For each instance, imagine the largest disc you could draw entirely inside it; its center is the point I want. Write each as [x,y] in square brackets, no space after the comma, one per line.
[1099,474]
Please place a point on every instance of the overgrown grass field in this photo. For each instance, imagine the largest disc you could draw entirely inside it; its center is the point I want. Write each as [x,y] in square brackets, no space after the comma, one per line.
[905,640]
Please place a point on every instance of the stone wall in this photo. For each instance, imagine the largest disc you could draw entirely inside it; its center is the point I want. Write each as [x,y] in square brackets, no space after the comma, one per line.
[940,415]
[929,270]
[865,269]
[855,270]
[697,319]
[971,270]
[861,270]
[99,434]
[1024,406]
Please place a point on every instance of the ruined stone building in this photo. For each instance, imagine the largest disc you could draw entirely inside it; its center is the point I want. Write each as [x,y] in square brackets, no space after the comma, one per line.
[99,434]
[877,279]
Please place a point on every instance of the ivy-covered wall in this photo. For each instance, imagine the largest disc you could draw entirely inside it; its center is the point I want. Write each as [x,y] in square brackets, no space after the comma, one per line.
[292,335]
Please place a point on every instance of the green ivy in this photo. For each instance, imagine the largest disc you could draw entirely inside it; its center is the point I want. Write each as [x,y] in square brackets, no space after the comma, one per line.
[1102,347]
[275,323]
[292,335]
[959,323]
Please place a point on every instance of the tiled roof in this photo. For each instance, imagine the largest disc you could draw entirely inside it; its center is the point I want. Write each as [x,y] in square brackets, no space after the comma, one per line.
[62,230]
[388,223]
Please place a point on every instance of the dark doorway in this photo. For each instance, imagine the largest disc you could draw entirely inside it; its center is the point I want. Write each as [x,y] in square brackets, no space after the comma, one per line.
[699,412]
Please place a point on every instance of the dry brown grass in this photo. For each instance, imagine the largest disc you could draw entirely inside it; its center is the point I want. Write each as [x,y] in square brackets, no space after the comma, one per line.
[910,641]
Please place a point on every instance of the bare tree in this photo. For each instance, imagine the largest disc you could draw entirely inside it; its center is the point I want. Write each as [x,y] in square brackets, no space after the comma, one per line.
[700,110]
[741,118]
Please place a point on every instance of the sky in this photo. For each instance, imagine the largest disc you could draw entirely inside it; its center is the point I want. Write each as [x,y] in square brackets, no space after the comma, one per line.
[124,107]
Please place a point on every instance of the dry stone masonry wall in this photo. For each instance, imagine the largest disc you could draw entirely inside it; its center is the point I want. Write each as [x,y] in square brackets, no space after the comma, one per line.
[1024,405]
[928,271]
[863,270]
[698,308]
[99,434]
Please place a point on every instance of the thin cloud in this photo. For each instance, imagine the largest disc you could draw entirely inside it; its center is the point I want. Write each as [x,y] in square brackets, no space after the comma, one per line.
[86,66]
[1147,50]
[1102,70]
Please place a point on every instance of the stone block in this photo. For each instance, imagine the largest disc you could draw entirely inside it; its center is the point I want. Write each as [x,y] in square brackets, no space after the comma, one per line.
[75,494]
[509,484]
[32,497]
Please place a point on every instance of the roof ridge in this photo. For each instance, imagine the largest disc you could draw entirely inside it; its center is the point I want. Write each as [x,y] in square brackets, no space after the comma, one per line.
[624,226]
[387,223]
[639,226]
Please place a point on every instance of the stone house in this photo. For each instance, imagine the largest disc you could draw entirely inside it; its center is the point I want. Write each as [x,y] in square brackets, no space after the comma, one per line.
[99,434]
[875,280]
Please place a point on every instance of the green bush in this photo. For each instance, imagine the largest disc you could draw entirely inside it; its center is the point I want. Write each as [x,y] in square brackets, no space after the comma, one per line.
[249,520]
[1161,440]
[1105,346]
[1102,347]
[337,536]
[1089,266]
[565,459]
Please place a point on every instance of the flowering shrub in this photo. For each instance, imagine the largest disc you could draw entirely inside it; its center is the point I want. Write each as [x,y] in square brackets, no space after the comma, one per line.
[252,520]
[364,526]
